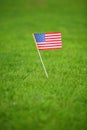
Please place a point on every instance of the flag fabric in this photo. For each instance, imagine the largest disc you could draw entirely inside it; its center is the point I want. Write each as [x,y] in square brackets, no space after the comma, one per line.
[48,41]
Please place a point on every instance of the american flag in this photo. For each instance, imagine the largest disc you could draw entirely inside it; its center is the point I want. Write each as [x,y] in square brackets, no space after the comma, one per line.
[48,41]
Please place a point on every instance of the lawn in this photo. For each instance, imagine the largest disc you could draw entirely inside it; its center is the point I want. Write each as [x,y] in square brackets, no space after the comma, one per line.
[29,100]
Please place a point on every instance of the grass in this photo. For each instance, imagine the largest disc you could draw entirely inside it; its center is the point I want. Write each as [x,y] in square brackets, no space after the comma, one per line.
[28,100]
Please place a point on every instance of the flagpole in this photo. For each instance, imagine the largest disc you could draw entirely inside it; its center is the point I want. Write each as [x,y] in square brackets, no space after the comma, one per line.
[40,58]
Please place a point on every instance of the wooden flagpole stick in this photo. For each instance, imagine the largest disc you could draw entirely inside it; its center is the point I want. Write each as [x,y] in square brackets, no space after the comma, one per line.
[40,58]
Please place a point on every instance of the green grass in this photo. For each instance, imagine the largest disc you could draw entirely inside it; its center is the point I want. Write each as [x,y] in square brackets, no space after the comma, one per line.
[28,100]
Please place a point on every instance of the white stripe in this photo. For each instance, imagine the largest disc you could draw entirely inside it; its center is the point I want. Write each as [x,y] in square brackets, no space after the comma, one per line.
[52,36]
[50,45]
[57,39]
[56,34]
[49,42]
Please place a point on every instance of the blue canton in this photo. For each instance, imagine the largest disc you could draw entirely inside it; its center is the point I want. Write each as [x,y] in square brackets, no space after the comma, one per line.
[40,37]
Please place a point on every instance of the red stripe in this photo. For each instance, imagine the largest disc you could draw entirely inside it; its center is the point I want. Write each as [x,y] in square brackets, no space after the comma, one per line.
[55,46]
[53,33]
[49,48]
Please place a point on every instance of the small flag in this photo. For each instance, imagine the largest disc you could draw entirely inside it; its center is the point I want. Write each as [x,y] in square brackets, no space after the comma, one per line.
[48,41]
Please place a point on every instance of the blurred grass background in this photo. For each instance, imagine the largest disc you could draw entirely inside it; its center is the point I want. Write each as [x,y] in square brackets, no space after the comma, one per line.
[27,99]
